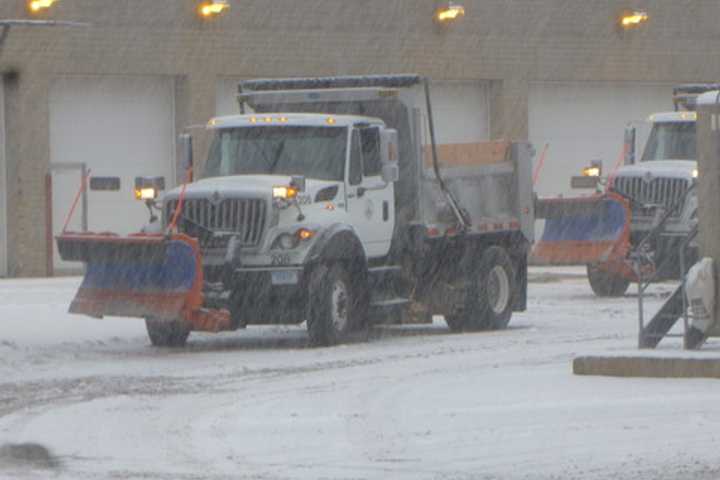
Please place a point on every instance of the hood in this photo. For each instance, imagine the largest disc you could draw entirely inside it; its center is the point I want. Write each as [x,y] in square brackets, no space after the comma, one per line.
[660,168]
[257,186]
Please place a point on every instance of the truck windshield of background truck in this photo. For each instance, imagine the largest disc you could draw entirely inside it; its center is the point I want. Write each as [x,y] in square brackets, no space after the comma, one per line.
[671,141]
[315,152]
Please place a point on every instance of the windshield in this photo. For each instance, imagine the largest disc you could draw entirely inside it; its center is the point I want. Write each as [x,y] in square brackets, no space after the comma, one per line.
[315,152]
[671,141]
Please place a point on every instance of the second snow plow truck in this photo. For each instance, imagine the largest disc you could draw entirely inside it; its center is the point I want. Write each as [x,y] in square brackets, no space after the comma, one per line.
[637,226]
[325,205]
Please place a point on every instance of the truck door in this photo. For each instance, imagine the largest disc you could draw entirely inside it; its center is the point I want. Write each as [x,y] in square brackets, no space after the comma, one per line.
[370,200]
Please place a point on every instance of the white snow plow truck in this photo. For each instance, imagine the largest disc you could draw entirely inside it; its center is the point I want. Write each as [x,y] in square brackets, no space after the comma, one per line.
[640,222]
[324,205]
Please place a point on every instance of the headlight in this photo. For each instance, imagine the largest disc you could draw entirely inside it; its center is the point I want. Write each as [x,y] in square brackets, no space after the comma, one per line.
[284,193]
[145,193]
[148,188]
[286,241]
[593,171]
[695,173]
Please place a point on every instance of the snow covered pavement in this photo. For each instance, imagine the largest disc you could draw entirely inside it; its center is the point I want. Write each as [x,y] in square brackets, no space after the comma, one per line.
[414,402]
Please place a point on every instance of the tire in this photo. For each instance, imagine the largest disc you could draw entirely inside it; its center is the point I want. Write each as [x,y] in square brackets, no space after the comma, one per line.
[166,333]
[334,306]
[489,297]
[605,284]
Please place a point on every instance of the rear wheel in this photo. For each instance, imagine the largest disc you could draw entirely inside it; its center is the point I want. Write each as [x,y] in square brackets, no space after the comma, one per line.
[166,333]
[606,284]
[334,305]
[489,298]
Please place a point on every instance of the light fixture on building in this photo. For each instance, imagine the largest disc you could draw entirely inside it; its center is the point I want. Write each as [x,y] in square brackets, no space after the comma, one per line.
[630,19]
[448,13]
[37,6]
[212,8]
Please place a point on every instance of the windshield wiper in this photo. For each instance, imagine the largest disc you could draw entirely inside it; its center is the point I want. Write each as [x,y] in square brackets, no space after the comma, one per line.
[281,148]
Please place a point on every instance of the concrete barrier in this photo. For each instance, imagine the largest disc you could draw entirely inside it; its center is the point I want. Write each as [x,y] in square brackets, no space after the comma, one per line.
[653,367]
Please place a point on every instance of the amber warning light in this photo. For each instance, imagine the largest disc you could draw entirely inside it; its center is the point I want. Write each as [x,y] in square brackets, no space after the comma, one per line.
[36,6]
[633,19]
[214,8]
[449,13]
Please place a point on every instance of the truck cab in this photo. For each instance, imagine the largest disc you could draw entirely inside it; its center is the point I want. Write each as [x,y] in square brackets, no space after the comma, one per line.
[666,171]
[278,180]
[661,185]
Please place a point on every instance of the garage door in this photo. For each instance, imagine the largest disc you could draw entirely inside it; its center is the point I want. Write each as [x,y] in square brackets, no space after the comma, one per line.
[3,187]
[582,122]
[460,111]
[116,127]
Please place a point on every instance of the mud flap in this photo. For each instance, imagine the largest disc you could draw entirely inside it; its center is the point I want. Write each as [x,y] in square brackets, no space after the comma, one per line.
[135,276]
[584,230]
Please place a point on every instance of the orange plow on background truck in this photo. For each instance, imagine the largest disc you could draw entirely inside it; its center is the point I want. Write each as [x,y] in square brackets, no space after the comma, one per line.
[592,231]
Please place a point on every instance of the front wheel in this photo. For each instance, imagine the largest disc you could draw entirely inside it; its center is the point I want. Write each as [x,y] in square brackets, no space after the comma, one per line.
[334,305]
[489,297]
[606,284]
[166,333]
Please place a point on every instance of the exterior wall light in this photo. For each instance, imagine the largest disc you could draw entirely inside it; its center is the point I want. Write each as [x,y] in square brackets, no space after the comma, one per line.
[631,19]
[37,6]
[212,8]
[448,13]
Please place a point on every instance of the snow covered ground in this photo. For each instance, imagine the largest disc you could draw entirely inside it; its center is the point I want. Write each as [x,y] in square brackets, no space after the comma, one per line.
[414,402]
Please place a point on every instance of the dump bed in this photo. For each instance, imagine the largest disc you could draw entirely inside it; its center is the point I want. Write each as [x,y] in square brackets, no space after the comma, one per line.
[485,184]
[491,182]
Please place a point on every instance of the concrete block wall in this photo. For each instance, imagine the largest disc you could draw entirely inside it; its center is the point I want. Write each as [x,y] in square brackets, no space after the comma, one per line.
[507,42]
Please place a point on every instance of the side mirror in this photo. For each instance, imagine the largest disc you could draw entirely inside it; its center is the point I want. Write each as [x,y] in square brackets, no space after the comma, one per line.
[629,145]
[388,146]
[298,181]
[186,151]
[390,172]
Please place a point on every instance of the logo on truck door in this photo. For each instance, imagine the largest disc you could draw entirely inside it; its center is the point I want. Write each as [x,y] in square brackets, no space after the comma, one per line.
[369,209]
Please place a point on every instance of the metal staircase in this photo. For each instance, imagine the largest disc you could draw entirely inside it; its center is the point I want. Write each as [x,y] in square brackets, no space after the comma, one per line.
[673,310]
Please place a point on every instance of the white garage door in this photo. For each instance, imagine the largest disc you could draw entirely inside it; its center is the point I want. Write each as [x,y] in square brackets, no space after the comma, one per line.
[3,187]
[460,111]
[582,122]
[117,127]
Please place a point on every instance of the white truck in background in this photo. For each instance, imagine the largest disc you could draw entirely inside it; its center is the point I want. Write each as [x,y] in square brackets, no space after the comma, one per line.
[660,184]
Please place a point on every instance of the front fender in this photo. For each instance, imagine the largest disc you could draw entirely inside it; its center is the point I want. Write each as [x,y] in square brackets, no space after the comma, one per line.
[338,242]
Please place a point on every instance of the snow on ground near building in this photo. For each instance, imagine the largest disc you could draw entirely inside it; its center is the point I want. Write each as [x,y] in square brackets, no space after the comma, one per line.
[413,402]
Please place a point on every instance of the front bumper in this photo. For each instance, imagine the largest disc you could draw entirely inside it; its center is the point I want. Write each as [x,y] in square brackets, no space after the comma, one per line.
[263,295]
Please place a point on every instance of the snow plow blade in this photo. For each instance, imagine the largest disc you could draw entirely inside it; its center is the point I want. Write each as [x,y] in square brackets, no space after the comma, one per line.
[141,276]
[585,230]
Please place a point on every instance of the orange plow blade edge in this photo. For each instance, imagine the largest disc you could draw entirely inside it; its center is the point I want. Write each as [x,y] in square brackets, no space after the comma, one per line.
[141,276]
[583,230]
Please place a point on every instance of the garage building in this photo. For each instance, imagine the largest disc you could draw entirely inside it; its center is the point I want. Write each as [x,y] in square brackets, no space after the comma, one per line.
[111,97]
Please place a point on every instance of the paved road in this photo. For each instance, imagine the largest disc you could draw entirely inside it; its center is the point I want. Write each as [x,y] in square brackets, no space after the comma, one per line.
[413,402]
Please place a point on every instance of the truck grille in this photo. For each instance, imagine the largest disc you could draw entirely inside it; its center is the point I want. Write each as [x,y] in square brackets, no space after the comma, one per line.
[658,191]
[244,217]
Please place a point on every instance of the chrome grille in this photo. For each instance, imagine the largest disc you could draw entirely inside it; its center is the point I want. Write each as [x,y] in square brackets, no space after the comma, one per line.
[658,191]
[242,216]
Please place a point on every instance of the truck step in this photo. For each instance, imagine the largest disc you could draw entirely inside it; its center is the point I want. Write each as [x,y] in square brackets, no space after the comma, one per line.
[384,270]
[389,302]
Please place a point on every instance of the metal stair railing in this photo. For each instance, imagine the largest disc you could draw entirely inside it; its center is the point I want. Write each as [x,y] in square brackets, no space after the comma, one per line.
[641,260]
